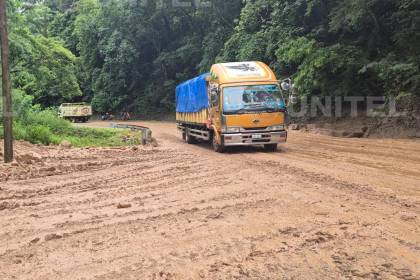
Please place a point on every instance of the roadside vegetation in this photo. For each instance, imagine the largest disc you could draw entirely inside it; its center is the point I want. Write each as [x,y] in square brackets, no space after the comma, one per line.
[36,125]
[124,55]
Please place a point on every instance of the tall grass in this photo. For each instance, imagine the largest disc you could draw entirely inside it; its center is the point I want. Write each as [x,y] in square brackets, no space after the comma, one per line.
[43,126]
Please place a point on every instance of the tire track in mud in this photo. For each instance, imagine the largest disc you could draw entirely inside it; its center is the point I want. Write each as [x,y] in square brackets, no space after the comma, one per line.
[193,214]
[150,181]
[362,191]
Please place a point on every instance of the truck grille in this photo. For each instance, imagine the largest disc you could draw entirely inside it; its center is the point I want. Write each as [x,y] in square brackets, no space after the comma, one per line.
[248,138]
[255,128]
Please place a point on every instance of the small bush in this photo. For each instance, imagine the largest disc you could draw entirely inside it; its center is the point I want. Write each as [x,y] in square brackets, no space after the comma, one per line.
[19,131]
[40,135]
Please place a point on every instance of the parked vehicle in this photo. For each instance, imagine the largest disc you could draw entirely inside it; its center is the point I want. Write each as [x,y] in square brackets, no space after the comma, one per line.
[236,104]
[75,112]
[107,116]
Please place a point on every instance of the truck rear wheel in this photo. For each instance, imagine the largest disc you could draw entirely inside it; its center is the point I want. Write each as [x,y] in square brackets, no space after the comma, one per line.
[270,147]
[189,138]
[218,146]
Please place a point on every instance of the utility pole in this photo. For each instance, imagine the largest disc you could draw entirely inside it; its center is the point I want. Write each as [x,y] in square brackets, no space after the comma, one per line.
[7,86]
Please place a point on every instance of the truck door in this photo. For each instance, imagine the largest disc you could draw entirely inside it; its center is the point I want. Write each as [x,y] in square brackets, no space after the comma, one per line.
[215,110]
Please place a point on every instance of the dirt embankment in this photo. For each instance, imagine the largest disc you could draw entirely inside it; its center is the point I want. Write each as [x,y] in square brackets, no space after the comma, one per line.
[375,128]
[321,208]
[399,121]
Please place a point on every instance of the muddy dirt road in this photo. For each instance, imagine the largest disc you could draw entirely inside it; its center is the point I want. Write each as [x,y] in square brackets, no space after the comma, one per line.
[321,208]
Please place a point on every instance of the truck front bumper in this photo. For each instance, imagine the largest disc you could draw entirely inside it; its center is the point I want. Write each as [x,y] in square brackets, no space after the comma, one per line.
[255,138]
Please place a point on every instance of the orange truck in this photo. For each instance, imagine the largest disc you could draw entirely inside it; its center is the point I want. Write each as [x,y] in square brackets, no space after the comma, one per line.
[236,104]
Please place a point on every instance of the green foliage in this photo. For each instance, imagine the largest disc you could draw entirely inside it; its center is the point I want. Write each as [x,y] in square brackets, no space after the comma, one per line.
[38,18]
[41,66]
[333,47]
[322,70]
[39,134]
[133,56]
[124,56]
[396,78]
[43,126]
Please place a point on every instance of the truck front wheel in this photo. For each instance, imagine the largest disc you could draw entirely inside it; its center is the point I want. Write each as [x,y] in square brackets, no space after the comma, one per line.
[270,147]
[218,145]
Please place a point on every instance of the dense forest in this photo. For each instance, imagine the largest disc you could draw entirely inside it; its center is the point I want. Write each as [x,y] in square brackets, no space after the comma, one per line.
[129,55]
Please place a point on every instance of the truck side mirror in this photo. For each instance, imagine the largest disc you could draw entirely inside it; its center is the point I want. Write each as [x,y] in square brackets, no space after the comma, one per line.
[285,86]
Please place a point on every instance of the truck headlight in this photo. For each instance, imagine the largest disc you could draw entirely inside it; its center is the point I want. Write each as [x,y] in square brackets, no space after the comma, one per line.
[276,127]
[226,129]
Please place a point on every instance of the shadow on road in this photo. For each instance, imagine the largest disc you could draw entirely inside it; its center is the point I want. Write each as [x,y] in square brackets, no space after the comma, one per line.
[239,149]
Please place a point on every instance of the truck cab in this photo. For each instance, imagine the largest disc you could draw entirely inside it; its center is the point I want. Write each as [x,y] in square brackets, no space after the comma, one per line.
[245,108]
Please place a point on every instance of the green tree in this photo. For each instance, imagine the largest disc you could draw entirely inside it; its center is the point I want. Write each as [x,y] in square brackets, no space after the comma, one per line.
[333,47]
[41,65]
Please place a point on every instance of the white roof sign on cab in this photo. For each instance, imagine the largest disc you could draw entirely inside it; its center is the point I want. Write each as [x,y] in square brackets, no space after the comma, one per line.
[243,69]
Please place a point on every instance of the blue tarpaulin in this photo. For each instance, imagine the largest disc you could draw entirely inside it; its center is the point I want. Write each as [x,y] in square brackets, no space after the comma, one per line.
[191,96]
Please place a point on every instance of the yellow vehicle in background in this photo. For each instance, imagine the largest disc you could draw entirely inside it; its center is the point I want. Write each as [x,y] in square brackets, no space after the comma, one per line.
[236,104]
[75,112]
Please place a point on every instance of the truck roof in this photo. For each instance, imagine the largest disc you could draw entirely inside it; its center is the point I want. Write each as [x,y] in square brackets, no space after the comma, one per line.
[240,72]
[75,104]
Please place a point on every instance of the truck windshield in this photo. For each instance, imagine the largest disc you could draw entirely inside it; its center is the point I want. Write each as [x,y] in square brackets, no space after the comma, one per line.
[251,99]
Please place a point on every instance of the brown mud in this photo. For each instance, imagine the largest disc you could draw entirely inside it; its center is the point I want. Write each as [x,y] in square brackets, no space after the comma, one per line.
[320,208]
